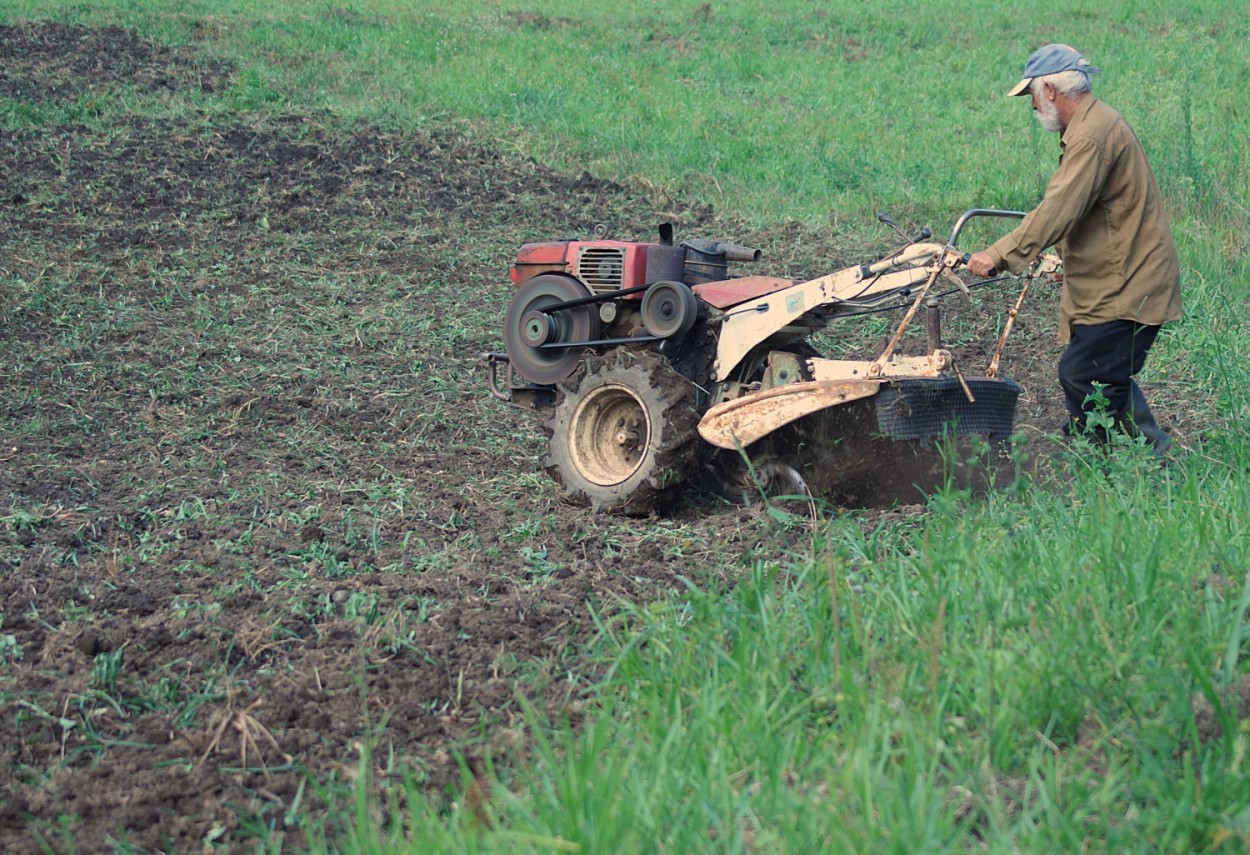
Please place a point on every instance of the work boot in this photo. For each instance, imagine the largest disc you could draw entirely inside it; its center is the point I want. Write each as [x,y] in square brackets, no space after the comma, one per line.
[1137,421]
[1144,421]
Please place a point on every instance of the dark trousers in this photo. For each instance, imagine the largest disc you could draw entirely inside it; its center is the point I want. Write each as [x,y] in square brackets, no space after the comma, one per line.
[1109,355]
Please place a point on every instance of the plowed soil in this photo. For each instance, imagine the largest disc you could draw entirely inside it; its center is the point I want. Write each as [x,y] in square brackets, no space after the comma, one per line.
[258,513]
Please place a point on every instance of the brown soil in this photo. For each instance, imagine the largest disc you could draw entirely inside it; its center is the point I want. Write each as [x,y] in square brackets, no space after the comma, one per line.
[257,510]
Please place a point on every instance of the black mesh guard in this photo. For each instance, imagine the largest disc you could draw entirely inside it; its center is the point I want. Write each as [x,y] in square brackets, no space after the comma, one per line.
[918,409]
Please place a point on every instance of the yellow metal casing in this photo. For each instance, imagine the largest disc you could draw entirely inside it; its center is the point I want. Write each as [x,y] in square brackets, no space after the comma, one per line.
[747,325]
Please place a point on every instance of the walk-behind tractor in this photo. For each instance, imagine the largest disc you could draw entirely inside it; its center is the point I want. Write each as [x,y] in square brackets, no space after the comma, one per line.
[656,370]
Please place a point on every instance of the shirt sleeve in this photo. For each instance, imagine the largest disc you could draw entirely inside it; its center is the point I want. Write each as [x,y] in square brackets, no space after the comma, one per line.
[1072,192]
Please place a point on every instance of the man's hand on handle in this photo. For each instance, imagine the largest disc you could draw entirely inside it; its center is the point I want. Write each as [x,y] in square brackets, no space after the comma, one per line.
[981,264]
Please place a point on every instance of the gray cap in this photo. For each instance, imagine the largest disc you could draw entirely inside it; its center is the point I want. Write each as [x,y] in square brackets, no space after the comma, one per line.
[1051,59]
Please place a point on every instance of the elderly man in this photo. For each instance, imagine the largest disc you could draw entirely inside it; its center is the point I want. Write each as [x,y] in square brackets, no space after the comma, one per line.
[1104,214]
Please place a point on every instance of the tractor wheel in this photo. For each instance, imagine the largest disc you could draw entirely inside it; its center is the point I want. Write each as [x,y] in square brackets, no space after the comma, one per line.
[623,436]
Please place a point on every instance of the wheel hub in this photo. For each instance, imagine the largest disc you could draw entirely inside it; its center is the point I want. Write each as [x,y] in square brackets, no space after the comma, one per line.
[627,437]
[609,435]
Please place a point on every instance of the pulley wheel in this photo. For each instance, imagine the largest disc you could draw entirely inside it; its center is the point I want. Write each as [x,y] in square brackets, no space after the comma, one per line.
[528,326]
[669,309]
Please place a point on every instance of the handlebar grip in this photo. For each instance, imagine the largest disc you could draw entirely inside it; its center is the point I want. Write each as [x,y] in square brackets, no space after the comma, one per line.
[923,234]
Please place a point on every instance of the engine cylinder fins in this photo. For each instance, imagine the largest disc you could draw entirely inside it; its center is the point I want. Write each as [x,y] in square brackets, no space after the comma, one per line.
[528,326]
[669,309]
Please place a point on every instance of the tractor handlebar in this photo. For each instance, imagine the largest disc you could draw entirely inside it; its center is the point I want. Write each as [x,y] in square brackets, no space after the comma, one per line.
[917,248]
[979,212]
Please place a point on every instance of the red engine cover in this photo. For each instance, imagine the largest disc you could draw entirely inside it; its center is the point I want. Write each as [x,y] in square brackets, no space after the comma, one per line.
[601,265]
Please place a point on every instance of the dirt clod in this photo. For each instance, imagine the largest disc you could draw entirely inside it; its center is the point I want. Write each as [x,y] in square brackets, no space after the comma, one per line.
[1235,700]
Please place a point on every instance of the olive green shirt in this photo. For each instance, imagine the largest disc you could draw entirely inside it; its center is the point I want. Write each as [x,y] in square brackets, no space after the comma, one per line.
[1103,212]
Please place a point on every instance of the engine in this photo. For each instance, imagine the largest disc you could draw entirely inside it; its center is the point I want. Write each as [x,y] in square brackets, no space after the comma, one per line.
[607,266]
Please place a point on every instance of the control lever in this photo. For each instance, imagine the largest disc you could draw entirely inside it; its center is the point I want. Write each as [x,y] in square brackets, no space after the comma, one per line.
[883,217]
[923,234]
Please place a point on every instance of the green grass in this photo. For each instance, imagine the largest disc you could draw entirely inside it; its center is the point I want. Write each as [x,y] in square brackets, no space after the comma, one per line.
[772,111]
[1017,673]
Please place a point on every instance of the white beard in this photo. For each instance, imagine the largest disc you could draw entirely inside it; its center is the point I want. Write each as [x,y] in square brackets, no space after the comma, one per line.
[1048,116]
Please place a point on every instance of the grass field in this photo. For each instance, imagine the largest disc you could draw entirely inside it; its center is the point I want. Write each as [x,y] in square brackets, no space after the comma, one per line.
[1048,669]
